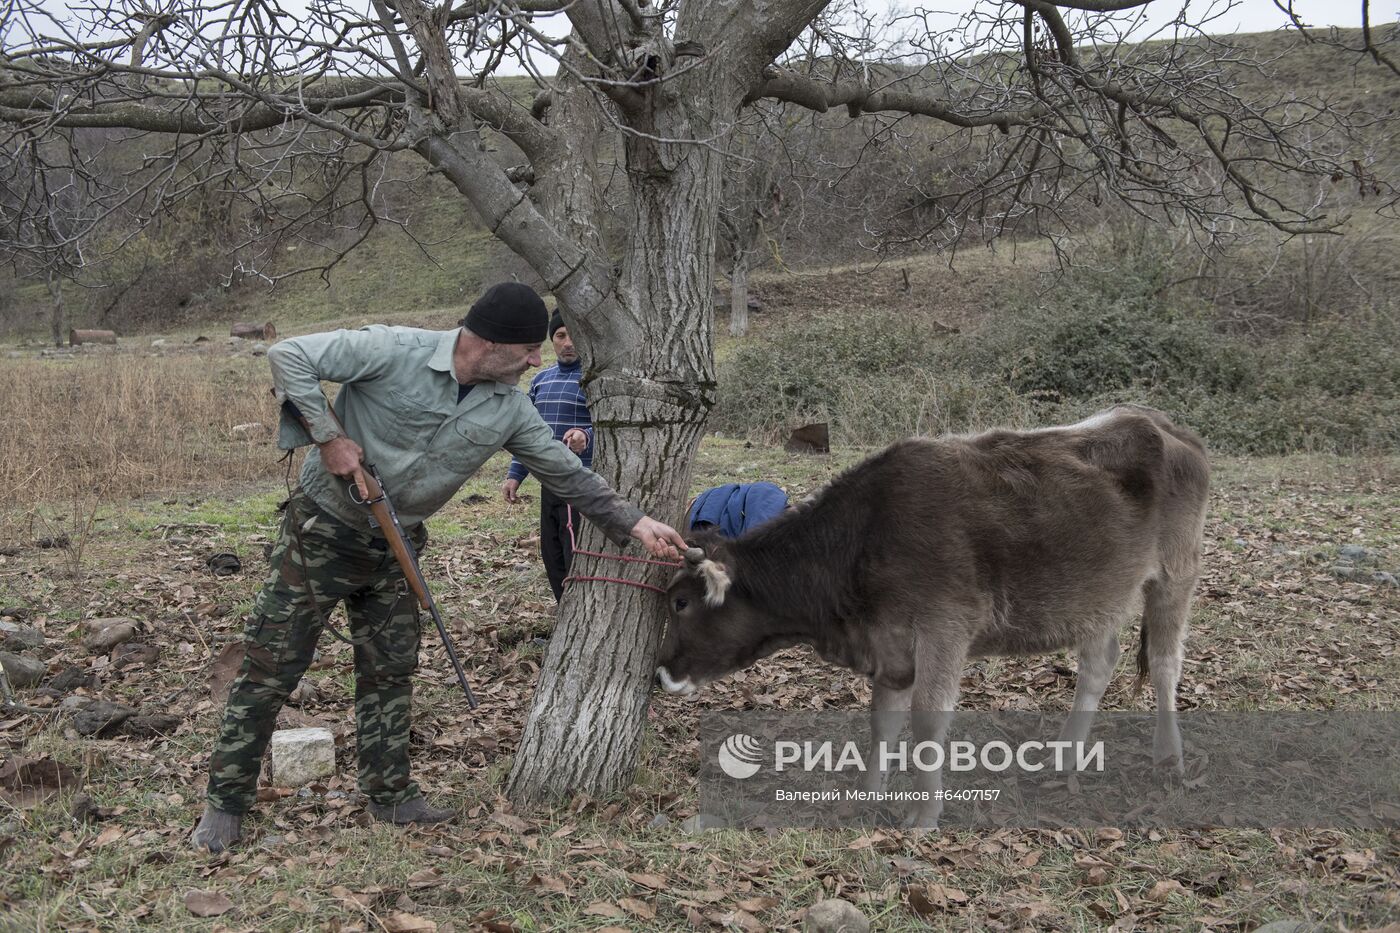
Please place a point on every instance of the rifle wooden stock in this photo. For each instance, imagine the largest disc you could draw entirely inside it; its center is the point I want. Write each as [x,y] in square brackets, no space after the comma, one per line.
[379,508]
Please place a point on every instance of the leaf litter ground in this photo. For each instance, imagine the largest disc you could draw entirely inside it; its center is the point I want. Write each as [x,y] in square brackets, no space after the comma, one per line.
[95,836]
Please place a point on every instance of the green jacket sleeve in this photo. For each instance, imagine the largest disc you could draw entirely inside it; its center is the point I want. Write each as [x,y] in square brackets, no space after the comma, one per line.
[300,363]
[561,472]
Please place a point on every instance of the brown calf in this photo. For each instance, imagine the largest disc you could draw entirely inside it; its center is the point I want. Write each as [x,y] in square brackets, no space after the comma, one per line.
[936,551]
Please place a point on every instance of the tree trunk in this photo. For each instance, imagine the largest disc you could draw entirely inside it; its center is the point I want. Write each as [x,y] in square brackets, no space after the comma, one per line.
[649,389]
[56,315]
[739,295]
[589,711]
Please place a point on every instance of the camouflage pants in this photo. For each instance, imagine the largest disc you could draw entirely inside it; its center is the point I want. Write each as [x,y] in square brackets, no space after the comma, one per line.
[341,563]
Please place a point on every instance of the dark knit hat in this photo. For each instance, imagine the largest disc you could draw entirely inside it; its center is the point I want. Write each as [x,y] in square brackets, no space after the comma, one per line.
[508,313]
[556,322]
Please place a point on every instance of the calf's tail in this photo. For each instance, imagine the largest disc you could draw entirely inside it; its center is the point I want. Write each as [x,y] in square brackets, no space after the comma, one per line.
[1143,668]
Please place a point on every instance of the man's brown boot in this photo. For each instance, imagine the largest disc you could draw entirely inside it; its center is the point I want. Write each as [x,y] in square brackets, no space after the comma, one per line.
[410,811]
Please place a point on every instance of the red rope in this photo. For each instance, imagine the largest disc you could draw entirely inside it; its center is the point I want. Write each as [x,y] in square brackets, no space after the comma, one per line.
[622,558]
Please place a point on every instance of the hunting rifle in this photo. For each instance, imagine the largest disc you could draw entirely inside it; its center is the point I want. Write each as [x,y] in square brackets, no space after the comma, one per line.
[382,514]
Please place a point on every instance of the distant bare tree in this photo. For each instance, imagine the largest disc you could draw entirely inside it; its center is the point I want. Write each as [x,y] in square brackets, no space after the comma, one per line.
[45,214]
[752,201]
[1049,99]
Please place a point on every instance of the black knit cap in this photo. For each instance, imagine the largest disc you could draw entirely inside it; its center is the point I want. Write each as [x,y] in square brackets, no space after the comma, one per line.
[555,322]
[508,313]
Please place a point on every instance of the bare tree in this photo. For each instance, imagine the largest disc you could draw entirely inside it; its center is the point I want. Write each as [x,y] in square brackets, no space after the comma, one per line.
[1048,97]
[45,213]
[751,203]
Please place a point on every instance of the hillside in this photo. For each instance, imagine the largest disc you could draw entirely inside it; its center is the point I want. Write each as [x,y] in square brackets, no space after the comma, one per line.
[429,252]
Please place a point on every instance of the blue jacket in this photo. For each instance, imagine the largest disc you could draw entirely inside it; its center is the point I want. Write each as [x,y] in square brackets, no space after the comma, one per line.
[559,398]
[736,508]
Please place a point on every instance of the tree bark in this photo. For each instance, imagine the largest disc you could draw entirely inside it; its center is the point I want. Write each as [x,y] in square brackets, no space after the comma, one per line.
[650,389]
[739,295]
[55,285]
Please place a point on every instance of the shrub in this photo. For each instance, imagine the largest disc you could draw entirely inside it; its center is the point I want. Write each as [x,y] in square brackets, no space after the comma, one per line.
[1097,341]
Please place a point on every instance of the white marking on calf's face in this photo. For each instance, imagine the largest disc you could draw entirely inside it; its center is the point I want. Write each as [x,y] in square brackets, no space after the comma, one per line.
[671,685]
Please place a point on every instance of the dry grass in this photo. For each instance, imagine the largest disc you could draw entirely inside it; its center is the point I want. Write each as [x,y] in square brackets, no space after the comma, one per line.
[111,425]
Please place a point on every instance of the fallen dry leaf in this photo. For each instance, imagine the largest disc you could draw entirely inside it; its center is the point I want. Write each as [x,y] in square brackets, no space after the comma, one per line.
[207,903]
[427,878]
[402,922]
[1164,889]
[224,670]
[108,836]
[634,906]
[932,898]
[655,882]
[28,782]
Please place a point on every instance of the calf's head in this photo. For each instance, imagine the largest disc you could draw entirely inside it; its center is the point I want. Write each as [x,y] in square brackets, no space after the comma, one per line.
[710,631]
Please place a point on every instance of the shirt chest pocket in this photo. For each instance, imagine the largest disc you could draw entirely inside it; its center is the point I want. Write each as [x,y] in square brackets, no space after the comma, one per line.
[473,433]
[416,416]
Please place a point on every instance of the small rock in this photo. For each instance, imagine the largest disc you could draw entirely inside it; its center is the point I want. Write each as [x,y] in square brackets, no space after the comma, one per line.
[75,703]
[300,756]
[1356,554]
[1290,926]
[151,725]
[200,339]
[159,342]
[304,694]
[102,718]
[701,822]
[111,636]
[224,564]
[1384,579]
[660,821]
[84,809]
[835,916]
[71,678]
[1239,542]
[272,842]
[96,625]
[23,671]
[251,429]
[57,541]
[132,654]
[20,636]
[1346,572]
[17,613]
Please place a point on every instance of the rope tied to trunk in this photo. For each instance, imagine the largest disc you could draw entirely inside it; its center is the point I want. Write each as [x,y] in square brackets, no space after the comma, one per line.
[621,558]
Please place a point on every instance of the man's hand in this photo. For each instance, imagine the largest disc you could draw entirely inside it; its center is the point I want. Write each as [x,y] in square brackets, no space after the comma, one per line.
[343,458]
[660,539]
[576,440]
[511,490]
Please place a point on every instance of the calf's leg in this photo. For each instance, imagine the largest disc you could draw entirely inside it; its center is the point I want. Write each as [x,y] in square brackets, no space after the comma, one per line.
[1165,608]
[1097,658]
[938,666]
[889,710]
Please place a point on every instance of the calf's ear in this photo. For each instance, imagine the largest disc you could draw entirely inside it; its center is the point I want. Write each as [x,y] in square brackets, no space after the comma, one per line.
[717,582]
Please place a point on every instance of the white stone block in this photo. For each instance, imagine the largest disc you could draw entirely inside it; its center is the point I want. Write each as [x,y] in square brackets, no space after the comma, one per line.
[300,756]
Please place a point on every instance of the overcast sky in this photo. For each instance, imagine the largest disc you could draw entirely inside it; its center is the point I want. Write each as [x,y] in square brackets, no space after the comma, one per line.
[1244,16]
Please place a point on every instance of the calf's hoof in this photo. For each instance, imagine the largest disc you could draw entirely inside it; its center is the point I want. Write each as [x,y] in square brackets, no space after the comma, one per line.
[923,819]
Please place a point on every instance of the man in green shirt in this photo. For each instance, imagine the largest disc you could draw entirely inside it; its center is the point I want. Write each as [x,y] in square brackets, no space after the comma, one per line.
[427,408]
